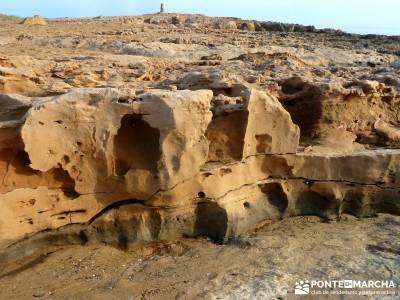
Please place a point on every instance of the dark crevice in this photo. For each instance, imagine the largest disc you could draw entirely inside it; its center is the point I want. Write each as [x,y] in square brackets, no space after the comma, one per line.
[83,237]
[71,193]
[304,103]
[211,221]
[201,195]
[136,146]
[275,196]
[246,205]
[69,212]
[313,203]
[350,183]
[354,204]
[116,205]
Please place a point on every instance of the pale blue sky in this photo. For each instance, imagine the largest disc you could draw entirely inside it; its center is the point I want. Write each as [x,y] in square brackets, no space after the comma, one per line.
[363,16]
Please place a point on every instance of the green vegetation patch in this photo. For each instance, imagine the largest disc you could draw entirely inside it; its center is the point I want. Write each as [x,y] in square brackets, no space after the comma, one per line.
[9,18]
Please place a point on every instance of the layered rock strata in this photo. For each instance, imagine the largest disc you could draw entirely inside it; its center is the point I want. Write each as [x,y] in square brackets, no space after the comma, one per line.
[114,166]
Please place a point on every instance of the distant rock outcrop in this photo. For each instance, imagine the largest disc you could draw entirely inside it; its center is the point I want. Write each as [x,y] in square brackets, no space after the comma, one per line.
[34,20]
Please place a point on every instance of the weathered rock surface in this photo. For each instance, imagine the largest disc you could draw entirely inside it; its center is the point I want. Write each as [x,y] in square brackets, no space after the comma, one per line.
[176,163]
[157,127]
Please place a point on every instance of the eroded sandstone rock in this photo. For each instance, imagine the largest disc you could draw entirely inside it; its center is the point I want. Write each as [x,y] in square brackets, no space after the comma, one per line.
[13,109]
[128,167]
[390,134]
[34,20]
[228,25]
[168,125]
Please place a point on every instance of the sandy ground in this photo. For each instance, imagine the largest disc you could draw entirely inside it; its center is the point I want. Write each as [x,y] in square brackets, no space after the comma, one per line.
[264,264]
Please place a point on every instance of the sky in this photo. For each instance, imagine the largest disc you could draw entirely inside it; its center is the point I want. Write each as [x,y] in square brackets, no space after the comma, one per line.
[358,16]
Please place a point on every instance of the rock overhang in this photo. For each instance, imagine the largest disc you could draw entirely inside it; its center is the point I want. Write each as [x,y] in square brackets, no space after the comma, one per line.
[176,163]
